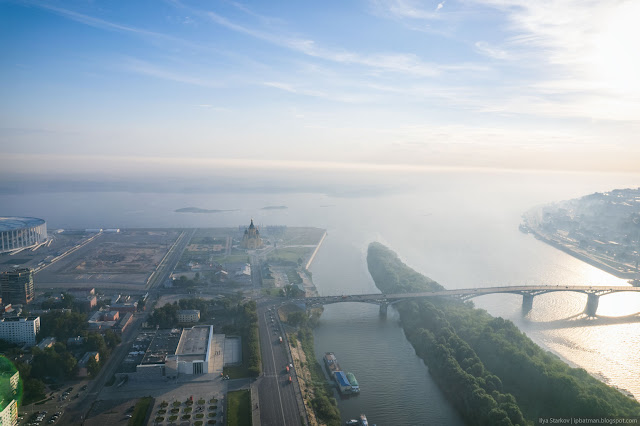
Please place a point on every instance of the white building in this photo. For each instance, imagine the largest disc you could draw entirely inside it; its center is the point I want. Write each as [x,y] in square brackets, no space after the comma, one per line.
[193,352]
[188,316]
[9,413]
[8,405]
[20,330]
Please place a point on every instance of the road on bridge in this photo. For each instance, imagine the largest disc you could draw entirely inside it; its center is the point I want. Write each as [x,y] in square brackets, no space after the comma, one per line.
[381,298]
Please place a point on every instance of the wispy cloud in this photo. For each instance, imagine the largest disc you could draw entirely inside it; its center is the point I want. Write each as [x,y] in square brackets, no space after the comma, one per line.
[585,54]
[486,49]
[405,63]
[149,69]
[337,97]
[100,23]
[407,9]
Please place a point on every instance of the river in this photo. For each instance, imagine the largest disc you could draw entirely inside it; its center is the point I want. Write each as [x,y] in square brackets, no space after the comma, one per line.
[460,229]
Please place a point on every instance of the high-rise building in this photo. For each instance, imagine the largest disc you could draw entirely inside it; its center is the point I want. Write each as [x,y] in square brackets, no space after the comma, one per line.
[17,286]
[9,378]
[22,331]
[8,412]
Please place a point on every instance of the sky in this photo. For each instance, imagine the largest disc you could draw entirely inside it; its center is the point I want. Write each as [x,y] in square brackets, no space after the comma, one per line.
[126,87]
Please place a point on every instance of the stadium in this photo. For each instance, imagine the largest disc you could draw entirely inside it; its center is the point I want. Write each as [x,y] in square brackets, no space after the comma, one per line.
[17,233]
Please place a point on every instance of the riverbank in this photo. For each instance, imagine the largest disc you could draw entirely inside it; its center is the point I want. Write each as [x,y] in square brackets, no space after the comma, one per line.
[313,255]
[583,256]
[317,394]
[489,370]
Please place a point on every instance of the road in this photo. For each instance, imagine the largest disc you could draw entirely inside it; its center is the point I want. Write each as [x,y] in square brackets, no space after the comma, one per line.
[170,260]
[278,404]
[77,412]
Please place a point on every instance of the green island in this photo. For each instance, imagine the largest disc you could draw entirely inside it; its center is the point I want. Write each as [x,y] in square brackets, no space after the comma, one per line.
[200,210]
[490,371]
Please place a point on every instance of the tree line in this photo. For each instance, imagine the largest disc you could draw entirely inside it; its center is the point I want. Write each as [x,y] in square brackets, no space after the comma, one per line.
[490,371]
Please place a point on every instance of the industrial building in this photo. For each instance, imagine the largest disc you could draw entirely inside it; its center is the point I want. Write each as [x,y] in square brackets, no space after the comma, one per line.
[17,286]
[17,233]
[20,330]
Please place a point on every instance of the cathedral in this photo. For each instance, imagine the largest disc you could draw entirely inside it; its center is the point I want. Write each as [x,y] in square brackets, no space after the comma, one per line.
[251,239]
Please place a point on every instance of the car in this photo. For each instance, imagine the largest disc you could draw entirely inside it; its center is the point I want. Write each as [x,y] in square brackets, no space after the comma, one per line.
[84,387]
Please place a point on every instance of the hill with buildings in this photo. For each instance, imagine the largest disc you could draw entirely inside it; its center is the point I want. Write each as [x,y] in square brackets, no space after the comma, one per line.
[602,229]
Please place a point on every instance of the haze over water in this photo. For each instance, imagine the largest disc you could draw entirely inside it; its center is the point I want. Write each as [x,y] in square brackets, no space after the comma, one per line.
[459,228]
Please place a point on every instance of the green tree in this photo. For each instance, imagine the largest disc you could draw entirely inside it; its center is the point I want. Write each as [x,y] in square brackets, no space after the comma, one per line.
[93,367]
[111,339]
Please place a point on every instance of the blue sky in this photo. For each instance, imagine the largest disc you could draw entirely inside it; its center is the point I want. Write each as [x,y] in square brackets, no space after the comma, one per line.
[369,84]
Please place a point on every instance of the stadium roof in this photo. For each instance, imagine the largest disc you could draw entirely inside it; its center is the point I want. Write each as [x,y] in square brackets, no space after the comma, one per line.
[12,223]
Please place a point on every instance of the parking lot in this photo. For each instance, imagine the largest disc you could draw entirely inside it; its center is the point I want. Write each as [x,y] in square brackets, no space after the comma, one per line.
[51,410]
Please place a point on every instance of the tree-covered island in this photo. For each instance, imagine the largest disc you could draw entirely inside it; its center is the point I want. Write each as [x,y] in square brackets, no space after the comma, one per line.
[490,371]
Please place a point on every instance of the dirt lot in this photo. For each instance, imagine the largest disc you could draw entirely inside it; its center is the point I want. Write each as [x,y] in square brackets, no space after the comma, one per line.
[123,260]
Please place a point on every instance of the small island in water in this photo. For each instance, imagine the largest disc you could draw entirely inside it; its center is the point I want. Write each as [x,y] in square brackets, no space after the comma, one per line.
[490,371]
[274,208]
[199,210]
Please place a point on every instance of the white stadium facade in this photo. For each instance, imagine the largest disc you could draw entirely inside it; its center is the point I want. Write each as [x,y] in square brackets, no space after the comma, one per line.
[17,233]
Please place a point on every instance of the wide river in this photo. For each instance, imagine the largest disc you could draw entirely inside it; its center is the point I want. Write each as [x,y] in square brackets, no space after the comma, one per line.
[461,229]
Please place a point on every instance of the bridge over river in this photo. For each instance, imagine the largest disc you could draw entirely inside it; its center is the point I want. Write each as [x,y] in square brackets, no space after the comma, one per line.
[527,292]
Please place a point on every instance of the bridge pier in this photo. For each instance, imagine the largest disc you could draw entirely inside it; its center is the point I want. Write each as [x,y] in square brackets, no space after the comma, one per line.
[592,304]
[527,303]
[383,309]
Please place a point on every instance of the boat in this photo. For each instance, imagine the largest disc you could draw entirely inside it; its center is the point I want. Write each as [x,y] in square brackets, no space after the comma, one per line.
[342,382]
[346,382]
[331,362]
[363,420]
[352,422]
[355,388]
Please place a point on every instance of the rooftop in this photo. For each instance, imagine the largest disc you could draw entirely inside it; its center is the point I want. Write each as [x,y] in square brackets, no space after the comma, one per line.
[194,341]
[12,223]
[164,343]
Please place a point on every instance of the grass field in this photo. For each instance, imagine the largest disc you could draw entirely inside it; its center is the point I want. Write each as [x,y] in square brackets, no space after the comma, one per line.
[239,408]
[303,236]
[290,254]
[140,412]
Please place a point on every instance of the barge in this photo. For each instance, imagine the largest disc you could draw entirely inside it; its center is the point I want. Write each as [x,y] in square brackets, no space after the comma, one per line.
[346,382]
